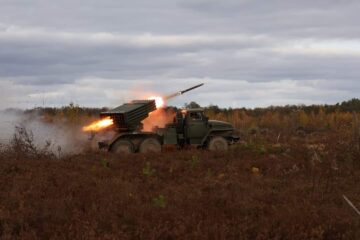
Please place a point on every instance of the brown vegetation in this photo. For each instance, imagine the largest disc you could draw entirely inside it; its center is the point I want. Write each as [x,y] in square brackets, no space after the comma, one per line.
[285,180]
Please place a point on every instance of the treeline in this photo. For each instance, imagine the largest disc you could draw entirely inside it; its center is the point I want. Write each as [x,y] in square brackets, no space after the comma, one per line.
[284,117]
[346,106]
[71,109]
[313,117]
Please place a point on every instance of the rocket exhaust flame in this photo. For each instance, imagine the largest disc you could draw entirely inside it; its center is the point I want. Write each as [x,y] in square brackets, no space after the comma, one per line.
[159,101]
[98,125]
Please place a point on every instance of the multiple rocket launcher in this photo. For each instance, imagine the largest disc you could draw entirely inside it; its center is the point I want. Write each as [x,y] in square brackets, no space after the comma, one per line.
[128,117]
[127,120]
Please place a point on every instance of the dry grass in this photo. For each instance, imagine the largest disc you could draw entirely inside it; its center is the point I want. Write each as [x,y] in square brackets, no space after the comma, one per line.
[259,190]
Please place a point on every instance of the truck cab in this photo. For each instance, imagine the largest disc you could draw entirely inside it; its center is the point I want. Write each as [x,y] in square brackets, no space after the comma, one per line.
[193,127]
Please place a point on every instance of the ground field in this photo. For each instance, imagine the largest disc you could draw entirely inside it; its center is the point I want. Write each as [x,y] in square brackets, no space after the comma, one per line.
[264,188]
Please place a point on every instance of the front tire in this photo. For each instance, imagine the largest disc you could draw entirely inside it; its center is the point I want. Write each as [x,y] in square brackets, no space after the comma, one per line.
[218,144]
[123,146]
[150,145]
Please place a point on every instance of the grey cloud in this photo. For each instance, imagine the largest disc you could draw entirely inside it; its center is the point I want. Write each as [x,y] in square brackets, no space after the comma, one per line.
[251,53]
[290,18]
[314,18]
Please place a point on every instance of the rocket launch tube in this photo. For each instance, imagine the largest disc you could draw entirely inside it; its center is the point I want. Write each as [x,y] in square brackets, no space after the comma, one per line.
[182,92]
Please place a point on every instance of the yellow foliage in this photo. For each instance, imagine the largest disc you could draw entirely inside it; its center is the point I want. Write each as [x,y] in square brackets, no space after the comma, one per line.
[303,119]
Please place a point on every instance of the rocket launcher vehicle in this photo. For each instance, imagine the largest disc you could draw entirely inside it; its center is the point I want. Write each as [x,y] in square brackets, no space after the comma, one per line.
[128,117]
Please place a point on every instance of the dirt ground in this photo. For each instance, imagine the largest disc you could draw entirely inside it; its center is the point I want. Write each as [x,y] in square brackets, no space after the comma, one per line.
[258,190]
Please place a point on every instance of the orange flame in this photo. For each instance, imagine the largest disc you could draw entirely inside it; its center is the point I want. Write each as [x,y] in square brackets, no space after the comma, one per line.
[99,125]
[160,103]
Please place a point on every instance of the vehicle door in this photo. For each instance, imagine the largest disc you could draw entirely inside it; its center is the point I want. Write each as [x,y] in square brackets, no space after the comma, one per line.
[196,127]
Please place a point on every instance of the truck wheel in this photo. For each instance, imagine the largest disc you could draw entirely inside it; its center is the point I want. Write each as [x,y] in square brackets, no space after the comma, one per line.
[150,145]
[218,144]
[123,146]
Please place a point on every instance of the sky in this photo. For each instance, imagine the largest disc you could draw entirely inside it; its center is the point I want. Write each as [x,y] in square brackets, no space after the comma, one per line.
[249,53]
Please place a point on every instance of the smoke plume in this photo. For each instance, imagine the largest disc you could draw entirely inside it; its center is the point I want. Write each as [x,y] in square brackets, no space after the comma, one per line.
[158,118]
[64,138]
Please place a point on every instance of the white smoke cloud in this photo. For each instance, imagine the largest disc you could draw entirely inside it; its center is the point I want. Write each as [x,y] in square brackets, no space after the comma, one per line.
[8,121]
[63,138]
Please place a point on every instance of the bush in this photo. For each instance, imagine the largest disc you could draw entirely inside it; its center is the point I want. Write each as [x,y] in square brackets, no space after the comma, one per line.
[22,146]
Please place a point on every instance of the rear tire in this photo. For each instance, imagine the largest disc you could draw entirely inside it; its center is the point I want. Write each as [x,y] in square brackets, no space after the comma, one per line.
[218,144]
[123,146]
[150,145]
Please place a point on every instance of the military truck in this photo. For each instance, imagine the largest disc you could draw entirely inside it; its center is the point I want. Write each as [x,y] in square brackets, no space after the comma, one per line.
[190,127]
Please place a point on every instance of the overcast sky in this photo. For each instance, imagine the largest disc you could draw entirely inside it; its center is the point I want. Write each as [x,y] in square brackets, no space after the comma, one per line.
[247,52]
